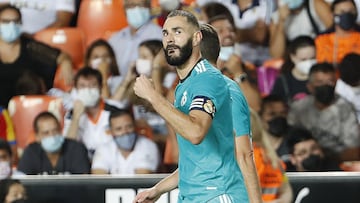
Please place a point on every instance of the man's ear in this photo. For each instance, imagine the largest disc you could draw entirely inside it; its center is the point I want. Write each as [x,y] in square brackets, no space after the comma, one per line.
[197,37]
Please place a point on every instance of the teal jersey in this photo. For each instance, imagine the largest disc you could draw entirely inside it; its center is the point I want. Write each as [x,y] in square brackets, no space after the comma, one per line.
[208,169]
[240,109]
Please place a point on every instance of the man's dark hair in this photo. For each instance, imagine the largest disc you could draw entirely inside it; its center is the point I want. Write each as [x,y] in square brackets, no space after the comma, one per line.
[214,9]
[296,135]
[210,45]
[118,113]
[190,18]
[341,1]
[44,115]
[349,69]
[4,145]
[321,67]
[10,7]
[271,98]
[88,72]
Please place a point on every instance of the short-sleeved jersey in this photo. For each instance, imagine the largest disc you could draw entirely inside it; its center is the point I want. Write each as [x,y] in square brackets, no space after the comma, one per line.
[145,155]
[208,169]
[240,109]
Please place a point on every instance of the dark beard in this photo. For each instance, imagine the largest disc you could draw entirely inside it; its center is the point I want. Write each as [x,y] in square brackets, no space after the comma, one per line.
[185,53]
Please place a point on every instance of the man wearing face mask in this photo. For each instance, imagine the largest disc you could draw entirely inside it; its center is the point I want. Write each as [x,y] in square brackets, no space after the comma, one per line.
[273,113]
[231,63]
[330,118]
[127,152]
[343,37]
[88,120]
[140,28]
[52,153]
[306,153]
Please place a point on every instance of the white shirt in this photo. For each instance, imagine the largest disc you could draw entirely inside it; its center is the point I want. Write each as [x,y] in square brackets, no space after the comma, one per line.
[351,94]
[126,45]
[144,156]
[93,133]
[38,14]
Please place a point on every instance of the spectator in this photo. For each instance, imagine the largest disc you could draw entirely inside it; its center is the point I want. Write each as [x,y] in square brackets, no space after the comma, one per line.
[306,153]
[19,54]
[343,37]
[52,153]
[127,152]
[165,7]
[314,16]
[101,56]
[126,41]
[88,120]
[231,63]
[348,86]
[42,14]
[251,22]
[290,85]
[6,161]
[274,113]
[330,119]
[12,191]
[271,170]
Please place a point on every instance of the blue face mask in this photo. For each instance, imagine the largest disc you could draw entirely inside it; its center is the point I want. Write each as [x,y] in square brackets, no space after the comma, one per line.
[137,16]
[52,143]
[126,142]
[10,32]
[294,4]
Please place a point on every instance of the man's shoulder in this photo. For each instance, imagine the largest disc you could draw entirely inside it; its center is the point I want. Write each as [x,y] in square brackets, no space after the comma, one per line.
[304,103]
[122,33]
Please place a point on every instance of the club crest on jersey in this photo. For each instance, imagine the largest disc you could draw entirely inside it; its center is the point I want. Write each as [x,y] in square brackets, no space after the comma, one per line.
[209,107]
[183,98]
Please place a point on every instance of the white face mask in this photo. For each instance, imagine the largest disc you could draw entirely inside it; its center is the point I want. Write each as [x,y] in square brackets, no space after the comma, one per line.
[88,96]
[226,52]
[5,169]
[137,16]
[95,63]
[143,66]
[169,5]
[305,66]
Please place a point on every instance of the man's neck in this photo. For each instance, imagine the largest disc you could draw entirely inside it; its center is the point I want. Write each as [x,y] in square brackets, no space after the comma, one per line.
[93,111]
[184,69]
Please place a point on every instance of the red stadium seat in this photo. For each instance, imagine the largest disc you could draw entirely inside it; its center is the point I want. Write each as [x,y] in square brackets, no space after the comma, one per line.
[96,17]
[69,40]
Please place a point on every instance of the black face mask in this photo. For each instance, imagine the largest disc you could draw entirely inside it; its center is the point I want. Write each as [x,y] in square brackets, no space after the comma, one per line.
[345,20]
[325,94]
[278,126]
[312,163]
[19,201]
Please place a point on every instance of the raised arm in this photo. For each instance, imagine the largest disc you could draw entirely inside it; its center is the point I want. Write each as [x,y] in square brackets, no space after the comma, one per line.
[192,127]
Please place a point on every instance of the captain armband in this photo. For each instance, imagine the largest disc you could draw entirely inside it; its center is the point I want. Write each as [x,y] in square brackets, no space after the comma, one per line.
[203,103]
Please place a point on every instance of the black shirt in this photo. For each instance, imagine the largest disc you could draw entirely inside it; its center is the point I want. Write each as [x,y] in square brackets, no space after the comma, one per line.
[73,160]
[35,57]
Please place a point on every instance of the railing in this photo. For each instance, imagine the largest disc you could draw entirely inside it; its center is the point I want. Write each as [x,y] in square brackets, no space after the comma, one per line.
[308,188]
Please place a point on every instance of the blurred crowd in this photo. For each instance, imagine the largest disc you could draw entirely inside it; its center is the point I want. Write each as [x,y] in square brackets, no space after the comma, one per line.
[296,62]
